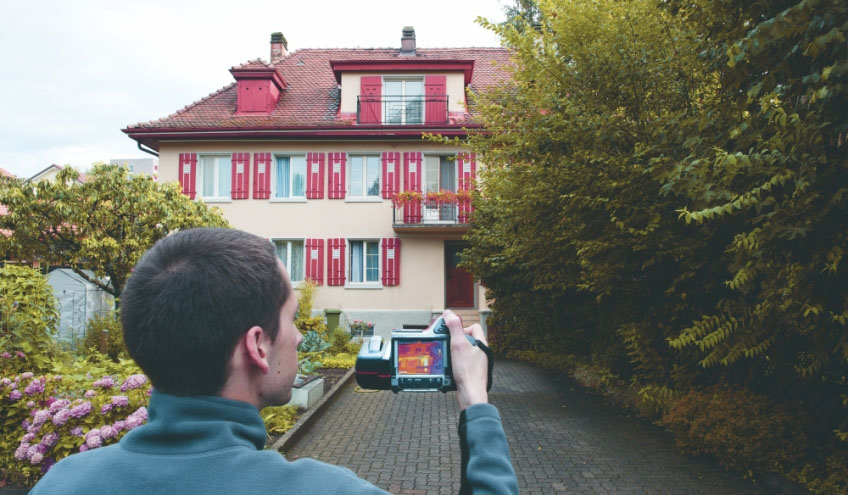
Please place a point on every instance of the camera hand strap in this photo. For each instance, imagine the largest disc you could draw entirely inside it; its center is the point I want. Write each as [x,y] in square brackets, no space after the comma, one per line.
[489,355]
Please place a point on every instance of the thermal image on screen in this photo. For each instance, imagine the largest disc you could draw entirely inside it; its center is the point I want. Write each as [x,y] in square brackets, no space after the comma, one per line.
[420,358]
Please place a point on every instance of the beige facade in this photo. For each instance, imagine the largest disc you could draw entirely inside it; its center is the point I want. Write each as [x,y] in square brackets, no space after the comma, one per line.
[422,263]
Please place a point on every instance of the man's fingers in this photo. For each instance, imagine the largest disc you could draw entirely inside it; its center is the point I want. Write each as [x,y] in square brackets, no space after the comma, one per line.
[476,331]
[454,324]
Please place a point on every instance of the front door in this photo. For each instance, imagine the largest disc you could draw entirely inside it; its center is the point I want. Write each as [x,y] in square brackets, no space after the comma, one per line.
[460,284]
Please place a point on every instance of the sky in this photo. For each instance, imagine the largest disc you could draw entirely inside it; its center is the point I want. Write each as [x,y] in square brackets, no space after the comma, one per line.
[74,73]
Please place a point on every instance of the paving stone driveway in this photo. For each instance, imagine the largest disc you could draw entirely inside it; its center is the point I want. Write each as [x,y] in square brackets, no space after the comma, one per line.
[562,440]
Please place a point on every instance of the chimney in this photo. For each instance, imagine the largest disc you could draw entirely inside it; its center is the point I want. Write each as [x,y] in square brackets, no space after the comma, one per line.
[279,47]
[407,41]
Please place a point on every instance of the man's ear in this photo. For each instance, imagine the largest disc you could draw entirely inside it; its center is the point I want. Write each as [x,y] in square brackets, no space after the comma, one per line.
[257,348]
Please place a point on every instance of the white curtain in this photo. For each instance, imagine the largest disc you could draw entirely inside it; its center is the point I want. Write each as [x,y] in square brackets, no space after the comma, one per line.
[225,178]
[296,270]
[356,262]
[282,182]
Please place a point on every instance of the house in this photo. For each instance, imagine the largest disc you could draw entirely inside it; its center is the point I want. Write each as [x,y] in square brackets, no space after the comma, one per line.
[310,149]
[142,166]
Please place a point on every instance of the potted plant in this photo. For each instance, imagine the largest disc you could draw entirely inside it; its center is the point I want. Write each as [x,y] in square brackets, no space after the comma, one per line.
[308,384]
[361,328]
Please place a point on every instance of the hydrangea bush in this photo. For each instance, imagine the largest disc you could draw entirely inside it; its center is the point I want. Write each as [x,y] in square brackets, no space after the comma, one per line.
[48,417]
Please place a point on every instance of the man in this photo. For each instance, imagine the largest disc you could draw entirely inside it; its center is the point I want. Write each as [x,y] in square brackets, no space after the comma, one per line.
[208,314]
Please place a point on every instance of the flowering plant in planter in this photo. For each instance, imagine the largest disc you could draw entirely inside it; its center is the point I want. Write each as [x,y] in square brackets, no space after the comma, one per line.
[440,198]
[406,197]
[359,328]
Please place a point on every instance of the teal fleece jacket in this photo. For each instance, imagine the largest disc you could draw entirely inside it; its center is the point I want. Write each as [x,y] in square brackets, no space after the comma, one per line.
[206,445]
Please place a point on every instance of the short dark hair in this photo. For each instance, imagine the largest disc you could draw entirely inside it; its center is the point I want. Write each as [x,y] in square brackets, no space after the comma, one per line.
[191,297]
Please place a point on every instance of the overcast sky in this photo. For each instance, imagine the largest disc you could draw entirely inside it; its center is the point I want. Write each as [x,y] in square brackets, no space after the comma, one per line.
[74,73]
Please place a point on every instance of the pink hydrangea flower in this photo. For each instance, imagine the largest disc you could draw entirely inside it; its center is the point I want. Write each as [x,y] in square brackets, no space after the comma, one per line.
[107,432]
[36,458]
[105,382]
[30,404]
[50,439]
[21,451]
[20,354]
[28,438]
[57,378]
[90,393]
[33,428]
[15,394]
[58,405]
[76,431]
[92,439]
[27,375]
[5,355]
[61,417]
[119,425]
[133,382]
[81,410]
[120,400]
[83,447]
[41,416]
[35,387]
[105,408]
[5,381]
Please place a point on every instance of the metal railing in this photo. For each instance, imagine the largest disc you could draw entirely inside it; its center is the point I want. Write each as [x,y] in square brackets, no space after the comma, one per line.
[402,110]
[429,213]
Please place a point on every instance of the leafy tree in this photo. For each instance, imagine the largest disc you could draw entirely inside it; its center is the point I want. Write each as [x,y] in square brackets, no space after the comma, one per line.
[28,317]
[103,225]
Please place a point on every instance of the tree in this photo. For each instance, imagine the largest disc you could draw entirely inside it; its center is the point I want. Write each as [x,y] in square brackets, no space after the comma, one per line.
[102,225]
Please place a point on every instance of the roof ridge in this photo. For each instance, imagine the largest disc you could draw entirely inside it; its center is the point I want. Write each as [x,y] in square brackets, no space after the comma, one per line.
[253,62]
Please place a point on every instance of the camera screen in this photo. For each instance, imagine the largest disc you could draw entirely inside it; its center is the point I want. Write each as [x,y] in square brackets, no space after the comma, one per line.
[420,357]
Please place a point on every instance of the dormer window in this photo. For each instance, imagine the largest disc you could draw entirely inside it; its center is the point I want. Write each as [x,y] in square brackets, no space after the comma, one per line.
[403,102]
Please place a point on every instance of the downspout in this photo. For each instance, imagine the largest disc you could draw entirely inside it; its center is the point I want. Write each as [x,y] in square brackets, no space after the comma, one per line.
[147,150]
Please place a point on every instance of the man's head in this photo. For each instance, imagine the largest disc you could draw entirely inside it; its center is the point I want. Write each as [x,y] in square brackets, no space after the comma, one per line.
[192,298]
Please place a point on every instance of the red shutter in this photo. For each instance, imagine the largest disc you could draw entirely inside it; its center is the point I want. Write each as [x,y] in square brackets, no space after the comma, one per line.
[391,173]
[336,182]
[240,174]
[391,261]
[315,260]
[315,175]
[335,262]
[412,182]
[261,175]
[370,89]
[467,172]
[188,173]
[436,102]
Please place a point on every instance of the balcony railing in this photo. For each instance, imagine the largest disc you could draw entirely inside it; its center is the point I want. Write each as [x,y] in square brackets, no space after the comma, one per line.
[402,110]
[431,216]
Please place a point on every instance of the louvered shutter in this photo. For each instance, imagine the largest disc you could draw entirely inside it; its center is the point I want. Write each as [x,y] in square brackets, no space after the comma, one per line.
[336,181]
[188,173]
[412,182]
[391,261]
[240,175]
[261,175]
[315,175]
[436,102]
[391,173]
[467,172]
[335,262]
[315,260]
[370,90]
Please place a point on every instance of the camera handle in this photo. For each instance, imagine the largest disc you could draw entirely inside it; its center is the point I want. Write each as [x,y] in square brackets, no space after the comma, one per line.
[491,357]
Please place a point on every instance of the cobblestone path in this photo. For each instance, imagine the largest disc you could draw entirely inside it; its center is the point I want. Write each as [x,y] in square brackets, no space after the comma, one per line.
[562,440]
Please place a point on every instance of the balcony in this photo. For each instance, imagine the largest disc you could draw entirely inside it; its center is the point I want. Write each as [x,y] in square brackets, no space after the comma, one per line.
[416,215]
[402,110]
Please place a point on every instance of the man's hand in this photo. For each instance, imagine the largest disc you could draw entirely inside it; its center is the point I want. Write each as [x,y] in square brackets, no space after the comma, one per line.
[470,364]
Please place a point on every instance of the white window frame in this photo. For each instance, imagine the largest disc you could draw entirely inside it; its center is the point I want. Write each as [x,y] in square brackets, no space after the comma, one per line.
[376,284]
[287,261]
[424,209]
[361,197]
[273,193]
[216,197]
[403,79]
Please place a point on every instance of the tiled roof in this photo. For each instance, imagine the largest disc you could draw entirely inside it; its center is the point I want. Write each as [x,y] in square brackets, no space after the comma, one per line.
[6,173]
[311,97]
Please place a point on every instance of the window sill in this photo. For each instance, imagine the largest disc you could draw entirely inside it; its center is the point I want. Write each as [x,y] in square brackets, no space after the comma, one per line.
[364,286]
[363,199]
[287,200]
[216,200]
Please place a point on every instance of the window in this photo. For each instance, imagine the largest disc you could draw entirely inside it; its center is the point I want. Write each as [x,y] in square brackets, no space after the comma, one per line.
[215,176]
[289,177]
[404,101]
[440,175]
[364,262]
[364,176]
[291,254]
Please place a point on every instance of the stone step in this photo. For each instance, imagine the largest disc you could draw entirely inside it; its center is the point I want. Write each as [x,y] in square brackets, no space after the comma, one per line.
[469,316]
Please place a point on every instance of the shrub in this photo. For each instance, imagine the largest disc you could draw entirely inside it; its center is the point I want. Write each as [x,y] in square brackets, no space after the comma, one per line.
[278,419]
[339,340]
[304,321]
[48,417]
[746,432]
[341,360]
[111,325]
[28,317]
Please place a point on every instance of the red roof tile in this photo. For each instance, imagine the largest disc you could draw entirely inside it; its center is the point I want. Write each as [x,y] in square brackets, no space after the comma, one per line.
[311,97]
